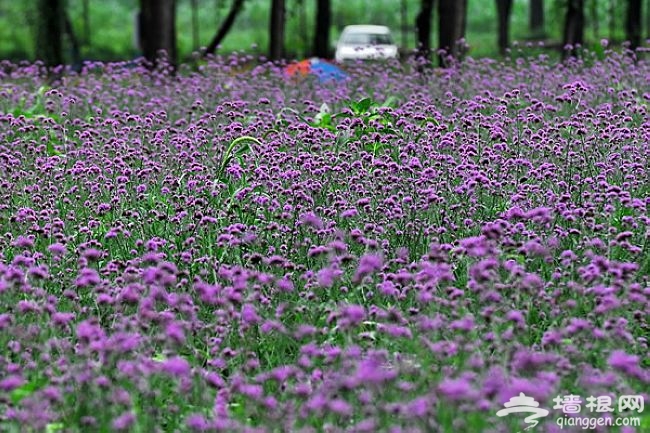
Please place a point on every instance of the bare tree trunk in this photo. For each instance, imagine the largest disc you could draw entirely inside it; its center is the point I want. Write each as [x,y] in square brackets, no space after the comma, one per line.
[303,28]
[452,15]
[504,8]
[276,30]
[536,18]
[74,41]
[633,23]
[647,19]
[236,7]
[195,23]
[611,10]
[404,23]
[158,29]
[49,37]
[593,19]
[573,27]
[322,33]
[423,28]
[85,13]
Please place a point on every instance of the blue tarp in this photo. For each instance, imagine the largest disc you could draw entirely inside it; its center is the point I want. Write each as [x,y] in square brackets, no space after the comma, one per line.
[327,72]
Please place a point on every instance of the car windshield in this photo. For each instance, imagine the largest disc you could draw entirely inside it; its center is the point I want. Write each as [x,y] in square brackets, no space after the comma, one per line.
[367,39]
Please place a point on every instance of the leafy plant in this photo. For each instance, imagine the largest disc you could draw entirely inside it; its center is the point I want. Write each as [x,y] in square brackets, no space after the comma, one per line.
[236,150]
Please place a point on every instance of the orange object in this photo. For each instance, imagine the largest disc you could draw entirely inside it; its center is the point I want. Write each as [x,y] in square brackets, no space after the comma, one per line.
[301,68]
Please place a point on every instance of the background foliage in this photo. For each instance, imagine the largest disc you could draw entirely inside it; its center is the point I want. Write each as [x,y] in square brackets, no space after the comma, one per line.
[110,35]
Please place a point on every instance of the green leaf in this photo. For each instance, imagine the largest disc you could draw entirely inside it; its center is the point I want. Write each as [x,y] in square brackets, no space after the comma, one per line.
[326,119]
[25,391]
[54,427]
[390,102]
[51,151]
[233,151]
[41,90]
[517,258]
[362,106]
[323,120]
[342,114]
[432,120]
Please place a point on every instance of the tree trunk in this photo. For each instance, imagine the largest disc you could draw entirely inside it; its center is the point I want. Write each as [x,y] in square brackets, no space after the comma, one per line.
[323,24]
[404,24]
[237,6]
[611,12]
[536,18]
[504,8]
[452,15]
[647,19]
[158,30]
[49,37]
[593,18]
[303,27]
[86,20]
[423,28]
[633,23]
[276,30]
[74,41]
[573,27]
[195,24]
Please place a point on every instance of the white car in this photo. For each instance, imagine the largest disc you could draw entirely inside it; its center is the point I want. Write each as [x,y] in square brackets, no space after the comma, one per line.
[362,42]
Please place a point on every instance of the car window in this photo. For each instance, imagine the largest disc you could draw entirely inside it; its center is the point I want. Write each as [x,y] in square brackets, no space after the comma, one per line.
[381,39]
[367,39]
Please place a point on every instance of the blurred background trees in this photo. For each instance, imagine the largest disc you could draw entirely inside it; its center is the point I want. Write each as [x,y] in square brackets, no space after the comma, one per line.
[504,9]
[276,29]
[322,29]
[49,31]
[633,23]
[157,29]
[59,31]
[237,6]
[536,19]
[423,28]
[574,27]
[452,23]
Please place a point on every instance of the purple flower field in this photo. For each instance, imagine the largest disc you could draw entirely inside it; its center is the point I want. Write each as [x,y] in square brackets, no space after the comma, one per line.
[229,251]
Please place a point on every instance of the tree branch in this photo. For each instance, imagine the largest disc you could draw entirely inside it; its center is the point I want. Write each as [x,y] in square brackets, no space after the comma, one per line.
[225,27]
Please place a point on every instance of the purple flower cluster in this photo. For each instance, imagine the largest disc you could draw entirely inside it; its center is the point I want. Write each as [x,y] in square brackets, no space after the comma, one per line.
[198,253]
